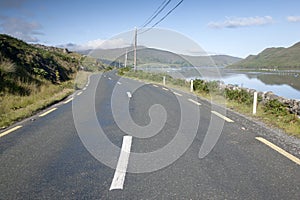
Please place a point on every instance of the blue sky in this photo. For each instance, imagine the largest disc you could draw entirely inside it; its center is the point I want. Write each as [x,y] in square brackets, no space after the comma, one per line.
[232,27]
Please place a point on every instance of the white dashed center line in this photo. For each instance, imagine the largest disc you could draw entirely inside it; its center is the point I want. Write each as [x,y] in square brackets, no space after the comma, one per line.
[195,102]
[222,116]
[129,94]
[119,176]
[177,94]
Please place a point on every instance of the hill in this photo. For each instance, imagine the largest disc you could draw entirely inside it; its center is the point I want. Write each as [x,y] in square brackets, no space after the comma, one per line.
[152,57]
[32,77]
[32,61]
[279,58]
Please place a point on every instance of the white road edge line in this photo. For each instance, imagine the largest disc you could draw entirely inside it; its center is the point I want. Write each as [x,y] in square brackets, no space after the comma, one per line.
[195,102]
[9,131]
[46,113]
[222,116]
[177,94]
[67,101]
[165,89]
[79,93]
[109,78]
[279,150]
[119,83]
[129,94]
[119,176]
[155,86]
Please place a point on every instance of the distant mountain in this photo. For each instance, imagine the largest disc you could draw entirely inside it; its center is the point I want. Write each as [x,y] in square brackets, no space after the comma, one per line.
[280,58]
[156,57]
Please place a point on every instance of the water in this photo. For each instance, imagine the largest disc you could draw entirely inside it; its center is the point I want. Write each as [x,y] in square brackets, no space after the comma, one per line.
[283,89]
[281,83]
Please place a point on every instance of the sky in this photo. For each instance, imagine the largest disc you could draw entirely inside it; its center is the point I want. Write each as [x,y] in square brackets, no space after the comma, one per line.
[233,27]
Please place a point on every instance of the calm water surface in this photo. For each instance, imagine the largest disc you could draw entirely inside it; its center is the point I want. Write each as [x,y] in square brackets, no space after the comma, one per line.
[283,83]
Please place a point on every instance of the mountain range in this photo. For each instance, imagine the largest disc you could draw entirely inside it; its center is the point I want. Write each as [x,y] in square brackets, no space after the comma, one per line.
[159,58]
[270,58]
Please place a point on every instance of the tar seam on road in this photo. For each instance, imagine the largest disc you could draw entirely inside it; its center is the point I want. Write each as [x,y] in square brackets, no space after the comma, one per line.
[119,176]
[222,116]
[195,102]
[279,150]
[10,130]
[46,113]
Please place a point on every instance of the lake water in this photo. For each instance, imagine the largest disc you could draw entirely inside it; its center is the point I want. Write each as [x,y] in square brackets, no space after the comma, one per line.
[281,83]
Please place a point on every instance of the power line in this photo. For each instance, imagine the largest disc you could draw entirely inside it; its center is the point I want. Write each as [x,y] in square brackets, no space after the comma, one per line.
[156,13]
[162,17]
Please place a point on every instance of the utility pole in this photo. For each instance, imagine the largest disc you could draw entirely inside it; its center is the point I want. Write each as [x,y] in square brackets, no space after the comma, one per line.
[125,62]
[134,48]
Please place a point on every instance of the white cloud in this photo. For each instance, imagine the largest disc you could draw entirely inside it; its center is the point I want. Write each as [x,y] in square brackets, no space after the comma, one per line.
[106,44]
[20,28]
[293,18]
[97,44]
[236,22]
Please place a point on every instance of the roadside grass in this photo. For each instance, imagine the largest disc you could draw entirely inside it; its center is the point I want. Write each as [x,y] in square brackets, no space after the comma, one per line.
[81,79]
[16,107]
[272,114]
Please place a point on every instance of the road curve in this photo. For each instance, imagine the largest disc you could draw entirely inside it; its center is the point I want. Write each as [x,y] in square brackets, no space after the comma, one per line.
[46,158]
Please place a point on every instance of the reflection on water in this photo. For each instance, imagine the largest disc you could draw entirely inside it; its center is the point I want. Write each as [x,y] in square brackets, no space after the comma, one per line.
[283,83]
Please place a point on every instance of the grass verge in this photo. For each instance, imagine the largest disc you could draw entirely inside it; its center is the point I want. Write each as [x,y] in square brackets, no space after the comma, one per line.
[14,108]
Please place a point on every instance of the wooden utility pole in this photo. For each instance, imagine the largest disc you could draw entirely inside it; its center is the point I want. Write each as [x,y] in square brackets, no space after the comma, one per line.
[134,49]
[125,62]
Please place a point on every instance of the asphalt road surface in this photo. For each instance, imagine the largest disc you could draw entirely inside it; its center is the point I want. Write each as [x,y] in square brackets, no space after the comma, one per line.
[62,154]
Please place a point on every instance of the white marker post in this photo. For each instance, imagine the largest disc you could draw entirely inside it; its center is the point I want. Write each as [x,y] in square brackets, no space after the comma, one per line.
[254,103]
[164,80]
[192,85]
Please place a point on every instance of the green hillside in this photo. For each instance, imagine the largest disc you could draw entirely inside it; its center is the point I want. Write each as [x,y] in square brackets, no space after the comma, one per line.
[279,58]
[32,77]
[150,56]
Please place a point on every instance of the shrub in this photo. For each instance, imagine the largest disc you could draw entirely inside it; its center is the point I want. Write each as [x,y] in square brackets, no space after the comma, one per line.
[240,95]
[200,85]
[275,107]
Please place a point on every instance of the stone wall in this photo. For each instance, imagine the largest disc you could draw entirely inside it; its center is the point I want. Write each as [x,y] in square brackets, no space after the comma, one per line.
[291,104]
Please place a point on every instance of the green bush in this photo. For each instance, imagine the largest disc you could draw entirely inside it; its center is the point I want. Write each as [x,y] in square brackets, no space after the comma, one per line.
[200,85]
[275,107]
[240,95]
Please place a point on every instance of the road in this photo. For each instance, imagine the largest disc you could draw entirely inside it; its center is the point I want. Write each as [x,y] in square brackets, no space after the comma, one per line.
[62,154]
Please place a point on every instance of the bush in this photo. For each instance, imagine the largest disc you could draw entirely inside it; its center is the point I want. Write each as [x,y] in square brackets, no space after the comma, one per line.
[275,107]
[241,96]
[200,85]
